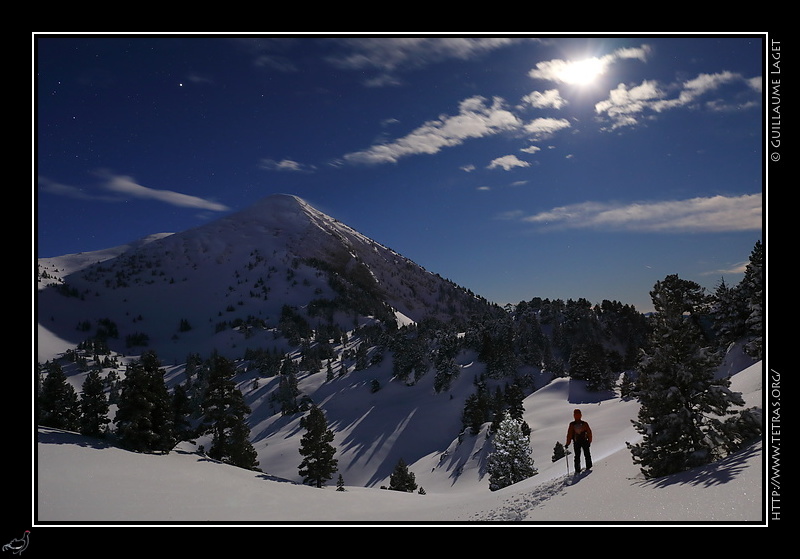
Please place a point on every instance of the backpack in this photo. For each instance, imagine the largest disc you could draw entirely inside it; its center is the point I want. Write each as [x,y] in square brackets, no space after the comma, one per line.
[581,431]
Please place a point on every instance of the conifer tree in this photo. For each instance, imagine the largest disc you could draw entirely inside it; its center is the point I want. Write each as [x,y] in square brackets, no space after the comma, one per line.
[144,417]
[447,370]
[477,408]
[559,451]
[682,404]
[514,396]
[93,405]
[288,392]
[410,354]
[510,460]
[626,386]
[752,286]
[318,464]
[729,311]
[402,479]
[58,402]
[497,409]
[225,416]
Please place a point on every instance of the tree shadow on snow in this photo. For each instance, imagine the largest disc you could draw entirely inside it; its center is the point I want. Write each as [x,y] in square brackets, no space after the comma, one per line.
[717,473]
[49,435]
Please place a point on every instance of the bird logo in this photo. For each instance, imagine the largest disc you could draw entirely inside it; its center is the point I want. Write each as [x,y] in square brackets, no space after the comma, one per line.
[18,545]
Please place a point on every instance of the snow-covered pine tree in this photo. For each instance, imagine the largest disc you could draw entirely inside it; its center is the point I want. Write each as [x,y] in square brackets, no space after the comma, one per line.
[319,464]
[682,404]
[510,460]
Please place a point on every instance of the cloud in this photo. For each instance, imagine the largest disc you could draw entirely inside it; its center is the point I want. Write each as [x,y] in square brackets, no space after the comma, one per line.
[396,52]
[507,162]
[120,186]
[626,106]
[547,99]
[284,165]
[713,214]
[68,191]
[542,127]
[476,119]
[389,55]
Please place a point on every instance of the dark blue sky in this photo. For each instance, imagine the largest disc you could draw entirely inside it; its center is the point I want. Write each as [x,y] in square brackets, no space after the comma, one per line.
[498,162]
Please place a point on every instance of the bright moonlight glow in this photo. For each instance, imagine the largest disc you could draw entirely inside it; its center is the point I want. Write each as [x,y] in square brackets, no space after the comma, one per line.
[582,72]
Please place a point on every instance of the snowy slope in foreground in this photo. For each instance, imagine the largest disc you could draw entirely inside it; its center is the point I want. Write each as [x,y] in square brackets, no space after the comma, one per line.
[80,480]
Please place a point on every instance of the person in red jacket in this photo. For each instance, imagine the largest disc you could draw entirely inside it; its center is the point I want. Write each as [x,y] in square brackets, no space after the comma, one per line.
[580,433]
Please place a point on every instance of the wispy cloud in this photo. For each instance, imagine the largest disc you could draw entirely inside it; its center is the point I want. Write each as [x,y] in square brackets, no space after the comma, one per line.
[507,162]
[113,188]
[284,165]
[49,186]
[545,99]
[626,106]
[712,214]
[388,56]
[544,127]
[476,119]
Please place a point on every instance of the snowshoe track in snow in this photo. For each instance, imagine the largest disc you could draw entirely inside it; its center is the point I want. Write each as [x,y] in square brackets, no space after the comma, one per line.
[516,508]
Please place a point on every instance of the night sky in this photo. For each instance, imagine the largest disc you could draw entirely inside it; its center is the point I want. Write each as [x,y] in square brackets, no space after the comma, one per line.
[515,166]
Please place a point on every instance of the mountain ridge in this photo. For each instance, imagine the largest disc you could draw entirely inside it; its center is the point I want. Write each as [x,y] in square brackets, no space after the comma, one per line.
[244,267]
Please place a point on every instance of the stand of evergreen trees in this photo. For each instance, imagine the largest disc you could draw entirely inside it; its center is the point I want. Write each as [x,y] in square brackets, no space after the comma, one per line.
[688,417]
[149,418]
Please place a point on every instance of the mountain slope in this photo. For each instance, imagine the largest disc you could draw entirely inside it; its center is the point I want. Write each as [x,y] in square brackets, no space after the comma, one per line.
[117,486]
[224,285]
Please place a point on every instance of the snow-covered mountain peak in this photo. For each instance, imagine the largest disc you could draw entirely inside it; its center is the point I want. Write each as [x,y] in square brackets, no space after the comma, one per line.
[244,268]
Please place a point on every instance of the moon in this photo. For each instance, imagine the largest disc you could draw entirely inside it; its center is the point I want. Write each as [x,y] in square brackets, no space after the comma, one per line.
[582,72]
